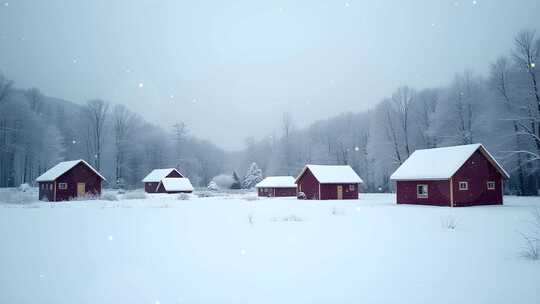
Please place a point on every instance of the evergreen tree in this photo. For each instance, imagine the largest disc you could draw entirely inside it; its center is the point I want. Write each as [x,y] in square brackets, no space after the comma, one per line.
[236,184]
[253,176]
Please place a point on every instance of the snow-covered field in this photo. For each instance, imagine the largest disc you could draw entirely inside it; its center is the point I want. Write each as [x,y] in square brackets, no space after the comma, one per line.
[234,249]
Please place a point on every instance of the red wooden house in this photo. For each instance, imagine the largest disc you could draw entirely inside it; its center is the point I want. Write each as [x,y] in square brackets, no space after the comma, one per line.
[68,180]
[323,182]
[452,176]
[276,186]
[168,180]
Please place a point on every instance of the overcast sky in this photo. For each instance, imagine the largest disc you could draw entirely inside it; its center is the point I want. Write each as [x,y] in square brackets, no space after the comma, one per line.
[229,69]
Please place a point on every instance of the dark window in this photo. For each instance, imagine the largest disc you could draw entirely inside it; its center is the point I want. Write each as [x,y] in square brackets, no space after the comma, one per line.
[491,185]
[62,186]
[422,191]
[463,185]
[351,187]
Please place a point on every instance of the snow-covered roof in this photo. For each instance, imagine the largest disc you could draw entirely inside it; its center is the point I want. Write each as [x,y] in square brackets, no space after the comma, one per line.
[277,182]
[440,163]
[158,174]
[333,174]
[177,184]
[61,168]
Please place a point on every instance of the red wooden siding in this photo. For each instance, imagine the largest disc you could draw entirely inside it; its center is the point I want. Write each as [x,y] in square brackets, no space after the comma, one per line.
[308,184]
[151,187]
[276,192]
[78,174]
[438,192]
[477,171]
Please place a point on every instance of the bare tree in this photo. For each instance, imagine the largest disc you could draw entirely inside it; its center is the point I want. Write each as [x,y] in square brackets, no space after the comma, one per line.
[96,111]
[287,127]
[34,97]
[5,87]
[402,101]
[123,125]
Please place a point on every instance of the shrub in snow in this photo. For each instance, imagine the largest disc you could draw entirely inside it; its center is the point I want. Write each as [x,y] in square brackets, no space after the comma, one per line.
[212,186]
[251,198]
[109,197]
[135,195]
[531,247]
[301,195]
[288,218]
[223,181]
[19,197]
[253,176]
[183,197]
[449,222]
[24,187]
[85,197]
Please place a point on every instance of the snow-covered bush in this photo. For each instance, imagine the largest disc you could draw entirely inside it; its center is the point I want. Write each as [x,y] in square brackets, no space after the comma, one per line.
[109,196]
[134,195]
[85,197]
[19,197]
[301,195]
[449,222]
[223,181]
[183,197]
[253,176]
[212,186]
[251,198]
[24,187]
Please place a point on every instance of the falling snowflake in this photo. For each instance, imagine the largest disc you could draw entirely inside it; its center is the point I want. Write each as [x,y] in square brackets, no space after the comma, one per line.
[533,65]
[95,156]
[171,96]
[358,209]
[456,3]
[141,84]
[110,237]
[474,2]
[357,148]
[243,252]
[74,141]
[6,4]
[74,60]
[194,100]
[157,302]
[347,4]
[42,276]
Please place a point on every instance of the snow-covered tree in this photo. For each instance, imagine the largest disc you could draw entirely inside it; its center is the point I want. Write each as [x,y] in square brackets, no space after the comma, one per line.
[252,177]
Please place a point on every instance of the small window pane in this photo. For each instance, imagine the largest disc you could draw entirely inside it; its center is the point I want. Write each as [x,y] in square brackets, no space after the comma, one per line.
[491,185]
[351,187]
[422,191]
[463,186]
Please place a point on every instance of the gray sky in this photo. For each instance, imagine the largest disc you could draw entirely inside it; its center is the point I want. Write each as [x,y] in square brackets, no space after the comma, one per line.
[229,69]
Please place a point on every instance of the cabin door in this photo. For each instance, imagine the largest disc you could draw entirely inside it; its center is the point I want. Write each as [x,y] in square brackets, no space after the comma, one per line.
[81,189]
[339,192]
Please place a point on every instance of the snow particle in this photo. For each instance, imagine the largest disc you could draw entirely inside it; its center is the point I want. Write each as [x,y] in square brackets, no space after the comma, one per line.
[474,2]
[41,276]
[74,141]
[6,3]
[456,3]
[243,252]
[358,209]
[347,4]
[533,65]
[75,60]
[356,148]
[110,237]
[194,100]
[141,84]
[171,96]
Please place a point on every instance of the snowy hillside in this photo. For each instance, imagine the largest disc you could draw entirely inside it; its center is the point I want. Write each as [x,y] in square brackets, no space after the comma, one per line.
[238,249]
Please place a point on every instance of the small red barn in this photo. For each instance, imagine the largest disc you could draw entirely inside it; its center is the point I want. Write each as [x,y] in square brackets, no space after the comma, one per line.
[276,186]
[168,180]
[452,176]
[68,180]
[323,182]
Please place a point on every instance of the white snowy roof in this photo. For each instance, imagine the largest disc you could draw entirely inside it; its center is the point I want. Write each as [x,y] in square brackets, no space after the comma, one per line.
[61,168]
[177,184]
[277,182]
[158,174]
[440,163]
[332,174]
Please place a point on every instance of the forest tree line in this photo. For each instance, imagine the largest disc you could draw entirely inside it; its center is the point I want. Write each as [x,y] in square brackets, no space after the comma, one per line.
[500,110]
[36,132]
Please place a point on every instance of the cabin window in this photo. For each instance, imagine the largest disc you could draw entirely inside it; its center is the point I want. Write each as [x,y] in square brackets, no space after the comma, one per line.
[50,186]
[62,186]
[422,191]
[491,185]
[463,185]
[351,187]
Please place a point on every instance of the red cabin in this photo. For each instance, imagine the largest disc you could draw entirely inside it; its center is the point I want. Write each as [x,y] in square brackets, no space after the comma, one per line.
[68,180]
[276,186]
[322,182]
[168,180]
[455,176]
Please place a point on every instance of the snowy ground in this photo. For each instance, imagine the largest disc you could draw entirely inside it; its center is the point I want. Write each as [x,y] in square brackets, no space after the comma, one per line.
[234,249]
